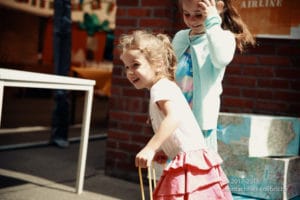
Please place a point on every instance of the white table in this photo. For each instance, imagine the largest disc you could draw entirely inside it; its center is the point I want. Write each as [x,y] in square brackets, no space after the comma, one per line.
[18,78]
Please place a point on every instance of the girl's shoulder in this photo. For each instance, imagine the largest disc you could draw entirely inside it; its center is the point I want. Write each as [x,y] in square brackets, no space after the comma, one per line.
[165,89]
[180,41]
[182,34]
[163,83]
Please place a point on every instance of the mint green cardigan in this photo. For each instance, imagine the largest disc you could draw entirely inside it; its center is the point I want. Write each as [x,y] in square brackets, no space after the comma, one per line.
[211,53]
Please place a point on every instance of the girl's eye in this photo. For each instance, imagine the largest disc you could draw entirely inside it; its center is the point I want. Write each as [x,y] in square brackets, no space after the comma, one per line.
[187,15]
[132,67]
[125,69]
[136,65]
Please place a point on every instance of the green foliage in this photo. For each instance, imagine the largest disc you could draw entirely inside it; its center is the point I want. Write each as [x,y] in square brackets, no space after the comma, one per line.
[92,24]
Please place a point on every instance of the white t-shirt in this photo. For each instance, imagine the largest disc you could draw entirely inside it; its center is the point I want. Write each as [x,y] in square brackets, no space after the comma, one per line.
[188,135]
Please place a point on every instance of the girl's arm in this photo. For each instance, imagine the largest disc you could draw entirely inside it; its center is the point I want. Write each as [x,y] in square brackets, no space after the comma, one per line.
[221,43]
[167,127]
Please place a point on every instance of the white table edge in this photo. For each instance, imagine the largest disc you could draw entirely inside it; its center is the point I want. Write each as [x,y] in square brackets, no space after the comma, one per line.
[18,78]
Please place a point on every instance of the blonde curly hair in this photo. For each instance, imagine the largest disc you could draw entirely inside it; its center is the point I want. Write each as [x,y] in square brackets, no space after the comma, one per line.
[157,49]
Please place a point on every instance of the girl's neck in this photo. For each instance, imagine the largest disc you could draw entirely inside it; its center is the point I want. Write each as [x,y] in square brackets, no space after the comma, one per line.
[155,80]
[195,34]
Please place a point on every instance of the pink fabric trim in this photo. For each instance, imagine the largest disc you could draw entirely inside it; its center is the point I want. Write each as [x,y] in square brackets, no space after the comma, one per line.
[193,175]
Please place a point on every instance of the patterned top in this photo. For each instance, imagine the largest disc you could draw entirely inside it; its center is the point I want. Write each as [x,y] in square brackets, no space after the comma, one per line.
[184,76]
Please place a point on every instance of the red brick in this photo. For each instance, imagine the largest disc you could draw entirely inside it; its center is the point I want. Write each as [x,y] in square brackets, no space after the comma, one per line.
[274,60]
[139,12]
[273,83]
[264,94]
[118,135]
[121,22]
[160,3]
[295,85]
[126,166]
[290,49]
[260,48]
[117,154]
[120,81]
[294,109]
[288,73]
[129,148]
[249,93]
[115,91]
[159,22]
[244,59]
[233,69]
[121,12]
[163,12]
[295,61]
[132,92]
[131,127]
[258,71]
[140,118]
[121,116]
[148,131]
[231,91]
[142,139]
[122,3]
[237,102]
[287,96]
[240,81]
[271,107]
[111,144]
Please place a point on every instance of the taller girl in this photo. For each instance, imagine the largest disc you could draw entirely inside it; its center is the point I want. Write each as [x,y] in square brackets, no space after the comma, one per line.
[215,30]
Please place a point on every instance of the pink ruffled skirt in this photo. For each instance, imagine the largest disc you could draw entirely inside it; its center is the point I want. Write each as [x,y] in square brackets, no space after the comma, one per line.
[195,175]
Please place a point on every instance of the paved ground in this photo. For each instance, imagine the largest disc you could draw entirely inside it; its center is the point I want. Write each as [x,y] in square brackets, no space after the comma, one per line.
[45,172]
[39,171]
[49,173]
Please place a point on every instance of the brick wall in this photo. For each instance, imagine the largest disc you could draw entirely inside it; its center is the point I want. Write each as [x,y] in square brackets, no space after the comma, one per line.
[128,130]
[263,80]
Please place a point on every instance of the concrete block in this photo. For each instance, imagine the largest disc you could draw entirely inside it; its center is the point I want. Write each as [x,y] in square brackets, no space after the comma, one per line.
[259,135]
[263,178]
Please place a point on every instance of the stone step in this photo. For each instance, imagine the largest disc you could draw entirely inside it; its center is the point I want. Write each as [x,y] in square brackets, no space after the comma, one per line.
[259,135]
[263,178]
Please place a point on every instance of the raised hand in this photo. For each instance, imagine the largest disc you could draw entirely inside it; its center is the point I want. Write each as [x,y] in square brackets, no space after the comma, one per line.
[207,7]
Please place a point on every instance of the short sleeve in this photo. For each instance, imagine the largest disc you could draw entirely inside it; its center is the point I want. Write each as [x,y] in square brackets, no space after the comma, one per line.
[163,90]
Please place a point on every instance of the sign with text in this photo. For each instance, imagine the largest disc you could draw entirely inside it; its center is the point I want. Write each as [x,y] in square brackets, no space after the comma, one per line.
[271,18]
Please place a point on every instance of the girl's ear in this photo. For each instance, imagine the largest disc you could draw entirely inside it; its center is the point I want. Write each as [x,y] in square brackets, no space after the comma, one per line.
[159,66]
[220,6]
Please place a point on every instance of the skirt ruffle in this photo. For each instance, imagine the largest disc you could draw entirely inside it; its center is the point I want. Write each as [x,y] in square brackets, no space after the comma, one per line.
[194,175]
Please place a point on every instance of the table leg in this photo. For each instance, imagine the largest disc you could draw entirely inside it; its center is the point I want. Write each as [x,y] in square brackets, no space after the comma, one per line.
[84,140]
[1,98]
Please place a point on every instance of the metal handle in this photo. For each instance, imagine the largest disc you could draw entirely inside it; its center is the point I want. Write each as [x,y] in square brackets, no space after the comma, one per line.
[151,172]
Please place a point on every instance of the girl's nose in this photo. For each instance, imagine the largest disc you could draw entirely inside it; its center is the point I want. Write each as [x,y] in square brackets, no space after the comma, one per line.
[193,18]
[129,72]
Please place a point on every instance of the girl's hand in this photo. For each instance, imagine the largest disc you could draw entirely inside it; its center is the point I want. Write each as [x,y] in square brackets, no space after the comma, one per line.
[208,7]
[144,158]
[160,157]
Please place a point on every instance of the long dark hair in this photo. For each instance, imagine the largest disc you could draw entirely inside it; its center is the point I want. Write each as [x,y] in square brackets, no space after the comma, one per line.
[231,20]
